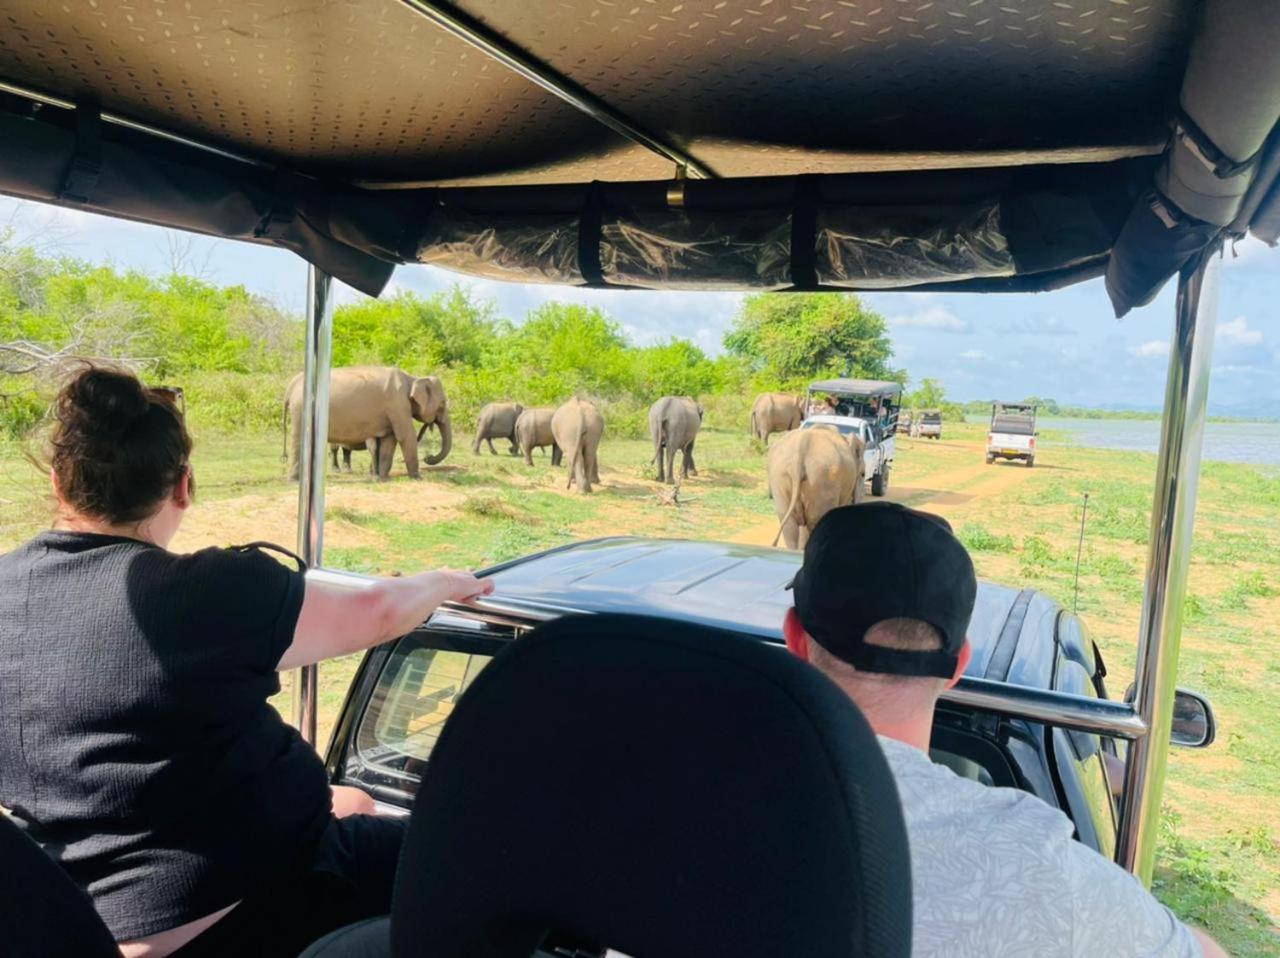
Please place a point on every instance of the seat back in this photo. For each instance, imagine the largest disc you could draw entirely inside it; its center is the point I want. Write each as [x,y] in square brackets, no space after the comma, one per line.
[42,911]
[660,789]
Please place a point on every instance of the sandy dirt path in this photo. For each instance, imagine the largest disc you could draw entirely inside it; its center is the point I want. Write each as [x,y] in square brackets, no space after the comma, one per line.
[946,492]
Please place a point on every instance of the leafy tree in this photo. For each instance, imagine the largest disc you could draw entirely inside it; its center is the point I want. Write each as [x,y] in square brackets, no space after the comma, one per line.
[799,336]
[929,395]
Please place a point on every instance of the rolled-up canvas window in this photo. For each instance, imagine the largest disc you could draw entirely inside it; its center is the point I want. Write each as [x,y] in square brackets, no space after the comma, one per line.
[874,247]
[676,249]
[522,248]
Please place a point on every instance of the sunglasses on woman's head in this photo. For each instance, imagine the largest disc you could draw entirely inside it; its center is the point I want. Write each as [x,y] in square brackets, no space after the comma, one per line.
[172,395]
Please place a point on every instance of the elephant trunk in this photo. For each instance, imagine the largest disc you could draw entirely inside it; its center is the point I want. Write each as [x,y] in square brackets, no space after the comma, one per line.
[446,438]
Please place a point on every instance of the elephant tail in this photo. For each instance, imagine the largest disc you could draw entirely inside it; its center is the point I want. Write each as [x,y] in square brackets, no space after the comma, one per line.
[795,498]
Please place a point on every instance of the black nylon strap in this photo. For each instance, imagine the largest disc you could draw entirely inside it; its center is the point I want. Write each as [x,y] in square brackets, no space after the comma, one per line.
[1002,654]
[86,162]
[1199,142]
[804,232]
[589,236]
[272,547]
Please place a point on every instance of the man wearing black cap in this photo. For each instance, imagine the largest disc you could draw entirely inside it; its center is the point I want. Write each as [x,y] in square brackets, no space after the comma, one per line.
[882,606]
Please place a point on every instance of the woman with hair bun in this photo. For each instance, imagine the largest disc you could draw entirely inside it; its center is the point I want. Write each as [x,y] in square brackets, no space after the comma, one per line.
[137,745]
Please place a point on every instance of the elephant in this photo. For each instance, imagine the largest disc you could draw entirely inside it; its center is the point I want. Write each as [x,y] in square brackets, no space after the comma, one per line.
[498,421]
[811,472]
[674,422]
[374,447]
[775,412]
[577,427]
[367,402]
[533,430]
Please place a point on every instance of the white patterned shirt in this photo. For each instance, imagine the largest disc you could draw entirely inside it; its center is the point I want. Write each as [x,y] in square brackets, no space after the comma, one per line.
[997,874]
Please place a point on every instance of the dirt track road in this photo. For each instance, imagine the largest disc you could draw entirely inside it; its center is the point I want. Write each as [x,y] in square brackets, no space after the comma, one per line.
[949,492]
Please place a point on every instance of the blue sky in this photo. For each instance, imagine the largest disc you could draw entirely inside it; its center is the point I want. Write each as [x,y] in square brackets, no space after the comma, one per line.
[1065,344]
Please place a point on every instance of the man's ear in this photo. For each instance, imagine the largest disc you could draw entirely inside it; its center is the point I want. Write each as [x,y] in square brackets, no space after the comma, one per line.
[966,653]
[797,638]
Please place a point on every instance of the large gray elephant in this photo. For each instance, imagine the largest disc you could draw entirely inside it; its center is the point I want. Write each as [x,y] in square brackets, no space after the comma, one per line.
[674,422]
[577,427]
[533,431]
[367,402]
[498,421]
[775,412]
[811,472]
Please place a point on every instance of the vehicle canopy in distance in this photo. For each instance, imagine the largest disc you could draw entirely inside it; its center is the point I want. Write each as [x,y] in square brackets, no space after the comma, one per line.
[876,401]
[1013,417]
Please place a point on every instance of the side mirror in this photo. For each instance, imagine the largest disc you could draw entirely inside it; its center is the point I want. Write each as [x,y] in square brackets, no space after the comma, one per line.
[1194,724]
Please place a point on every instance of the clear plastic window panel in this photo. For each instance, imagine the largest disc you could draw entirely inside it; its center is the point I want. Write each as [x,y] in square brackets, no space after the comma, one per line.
[878,248]
[415,697]
[675,249]
[532,249]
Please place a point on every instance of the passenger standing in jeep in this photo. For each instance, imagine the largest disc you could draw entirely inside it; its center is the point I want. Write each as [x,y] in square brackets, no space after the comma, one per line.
[137,745]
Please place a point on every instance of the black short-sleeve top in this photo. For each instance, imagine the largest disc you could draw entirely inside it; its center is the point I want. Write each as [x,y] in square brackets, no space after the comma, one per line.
[137,745]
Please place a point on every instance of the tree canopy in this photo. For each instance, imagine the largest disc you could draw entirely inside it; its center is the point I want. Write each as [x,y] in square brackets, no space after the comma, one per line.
[796,337]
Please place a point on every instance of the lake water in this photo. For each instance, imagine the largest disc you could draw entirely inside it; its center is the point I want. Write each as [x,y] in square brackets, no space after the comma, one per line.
[1253,442]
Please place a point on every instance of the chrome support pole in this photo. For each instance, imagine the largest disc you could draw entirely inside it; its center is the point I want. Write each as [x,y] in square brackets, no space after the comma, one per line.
[1169,552]
[445,16]
[312,460]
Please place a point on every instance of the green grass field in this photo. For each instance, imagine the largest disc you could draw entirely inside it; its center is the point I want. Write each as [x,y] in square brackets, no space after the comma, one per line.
[1220,837]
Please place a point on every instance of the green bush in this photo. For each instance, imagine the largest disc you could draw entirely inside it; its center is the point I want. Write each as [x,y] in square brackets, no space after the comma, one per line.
[978,538]
[21,409]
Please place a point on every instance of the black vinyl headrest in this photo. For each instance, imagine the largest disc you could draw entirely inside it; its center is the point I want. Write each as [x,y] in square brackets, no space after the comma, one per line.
[42,911]
[657,788]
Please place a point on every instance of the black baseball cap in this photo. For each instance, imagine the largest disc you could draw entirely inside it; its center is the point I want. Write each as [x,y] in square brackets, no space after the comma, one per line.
[880,560]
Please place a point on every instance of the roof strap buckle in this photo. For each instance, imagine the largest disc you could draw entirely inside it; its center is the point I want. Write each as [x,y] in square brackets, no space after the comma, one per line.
[675,192]
[86,162]
[1204,150]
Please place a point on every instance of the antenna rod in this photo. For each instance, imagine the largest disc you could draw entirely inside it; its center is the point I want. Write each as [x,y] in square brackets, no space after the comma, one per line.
[1075,598]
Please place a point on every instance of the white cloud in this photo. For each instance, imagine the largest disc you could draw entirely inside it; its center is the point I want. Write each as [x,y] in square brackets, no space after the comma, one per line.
[973,355]
[931,317]
[1237,331]
[1152,347]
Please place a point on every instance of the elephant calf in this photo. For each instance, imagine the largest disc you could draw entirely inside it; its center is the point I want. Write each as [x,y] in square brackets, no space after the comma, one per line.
[674,422]
[811,472]
[498,421]
[577,427]
[533,431]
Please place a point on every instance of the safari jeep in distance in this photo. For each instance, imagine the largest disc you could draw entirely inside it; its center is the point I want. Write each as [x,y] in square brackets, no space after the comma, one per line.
[868,406]
[405,691]
[1013,433]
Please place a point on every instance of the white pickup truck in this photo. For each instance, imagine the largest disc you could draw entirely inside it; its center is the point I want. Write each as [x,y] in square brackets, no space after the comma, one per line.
[877,456]
[1012,434]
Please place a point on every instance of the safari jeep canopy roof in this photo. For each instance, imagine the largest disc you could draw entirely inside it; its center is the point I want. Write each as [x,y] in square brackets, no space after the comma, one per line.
[857,387]
[706,144]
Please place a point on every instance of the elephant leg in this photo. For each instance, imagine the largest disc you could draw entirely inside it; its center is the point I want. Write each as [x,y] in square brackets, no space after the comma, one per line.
[346,459]
[515,443]
[671,462]
[689,468]
[593,457]
[557,454]
[408,442]
[528,455]
[333,452]
[802,538]
[384,457]
[492,451]
[657,456]
[475,443]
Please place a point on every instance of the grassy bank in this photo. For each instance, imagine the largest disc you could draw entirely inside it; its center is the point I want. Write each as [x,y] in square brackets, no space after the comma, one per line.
[1220,842]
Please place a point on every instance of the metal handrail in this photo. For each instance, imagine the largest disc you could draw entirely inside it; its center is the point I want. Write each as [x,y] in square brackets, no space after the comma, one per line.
[1059,709]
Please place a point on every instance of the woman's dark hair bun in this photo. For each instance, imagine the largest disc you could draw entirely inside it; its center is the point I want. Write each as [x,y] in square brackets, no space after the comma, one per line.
[105,401]
[116,447]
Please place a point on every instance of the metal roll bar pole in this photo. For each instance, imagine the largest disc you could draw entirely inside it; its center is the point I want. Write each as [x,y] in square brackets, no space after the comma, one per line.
[311,466]
[1169,552]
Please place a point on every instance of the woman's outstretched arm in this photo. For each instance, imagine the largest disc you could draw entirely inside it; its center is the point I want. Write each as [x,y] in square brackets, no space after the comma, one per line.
[338,620]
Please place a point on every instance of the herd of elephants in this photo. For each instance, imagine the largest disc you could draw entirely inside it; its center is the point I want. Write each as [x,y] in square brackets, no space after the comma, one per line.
[381,407]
